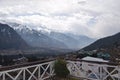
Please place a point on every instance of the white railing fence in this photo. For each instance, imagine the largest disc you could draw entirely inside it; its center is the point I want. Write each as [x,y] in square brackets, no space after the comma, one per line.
[94,70]
[81,69]
[40,71]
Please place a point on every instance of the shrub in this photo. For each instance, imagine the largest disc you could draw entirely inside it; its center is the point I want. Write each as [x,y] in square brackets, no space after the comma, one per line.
[73,79]
[61,68]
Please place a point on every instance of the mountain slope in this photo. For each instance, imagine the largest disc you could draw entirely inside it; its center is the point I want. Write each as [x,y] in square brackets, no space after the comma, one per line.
[44,37]
[69,41]
[107,42]
[82,40]
[9,39]
[36,38]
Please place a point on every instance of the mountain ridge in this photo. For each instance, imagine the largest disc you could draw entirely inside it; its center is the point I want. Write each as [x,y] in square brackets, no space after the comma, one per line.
[10,39]
[56,38]
[37,39]
[106,42]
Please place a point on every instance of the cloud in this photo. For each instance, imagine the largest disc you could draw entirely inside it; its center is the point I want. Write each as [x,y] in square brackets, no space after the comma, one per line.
[107,24]
[94,18]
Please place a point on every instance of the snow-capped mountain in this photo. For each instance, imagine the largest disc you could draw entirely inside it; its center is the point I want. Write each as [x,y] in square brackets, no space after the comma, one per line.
[71,40]
[29,28]
[36,38]
[40,36]
[10,39]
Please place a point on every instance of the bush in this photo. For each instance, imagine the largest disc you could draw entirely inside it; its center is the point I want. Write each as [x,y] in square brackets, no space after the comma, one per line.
[73,79]
[61,69]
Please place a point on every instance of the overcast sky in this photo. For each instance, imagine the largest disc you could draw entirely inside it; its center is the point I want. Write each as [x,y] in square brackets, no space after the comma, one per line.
[94,18]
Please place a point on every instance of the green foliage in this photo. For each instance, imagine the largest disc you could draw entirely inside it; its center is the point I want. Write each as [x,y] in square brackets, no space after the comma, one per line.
[73,79]
[61,68]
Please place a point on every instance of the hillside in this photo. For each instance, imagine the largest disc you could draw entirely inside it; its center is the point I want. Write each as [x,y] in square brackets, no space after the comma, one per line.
[38,39]
[9,38]
[82,40]
[107,42]
[69,41]
[47,38]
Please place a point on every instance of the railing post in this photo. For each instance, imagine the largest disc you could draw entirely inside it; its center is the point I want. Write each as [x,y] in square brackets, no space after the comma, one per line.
[3,76]
[100,72]
[24,74]
[118,72]
[39,72]
[51,68]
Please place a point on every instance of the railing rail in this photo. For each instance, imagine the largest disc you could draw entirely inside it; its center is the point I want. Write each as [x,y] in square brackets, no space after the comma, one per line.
[98,62]
[93,70]
[3,68]
[30,71]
